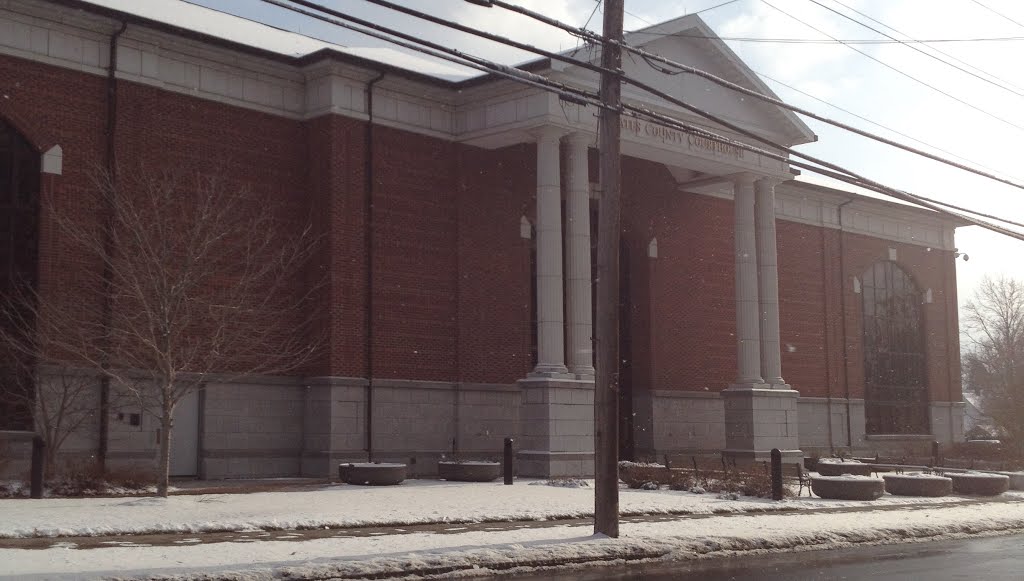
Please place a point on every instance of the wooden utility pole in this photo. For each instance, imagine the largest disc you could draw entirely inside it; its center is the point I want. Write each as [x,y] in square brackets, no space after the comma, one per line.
[606,393]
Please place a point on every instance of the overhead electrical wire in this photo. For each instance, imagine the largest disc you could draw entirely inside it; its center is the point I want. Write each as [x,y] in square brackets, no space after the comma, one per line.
[836,172]
[715,7]
[584,98]
[552,55]
[522,46]
[592,13]
[701,11]
[875,123]
[649,56]
[897,70]
[925,53]
[908,39]
[859,41]
[997,13]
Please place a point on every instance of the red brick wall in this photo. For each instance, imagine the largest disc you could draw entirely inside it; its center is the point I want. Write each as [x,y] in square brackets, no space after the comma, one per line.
[496,189]
[415,259]
[75,120]
[802,311]
[156,132]
[451,272]
[691,287]
[335,154]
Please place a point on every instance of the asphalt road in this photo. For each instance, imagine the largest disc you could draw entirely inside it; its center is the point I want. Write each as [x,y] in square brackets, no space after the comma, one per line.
[991,558]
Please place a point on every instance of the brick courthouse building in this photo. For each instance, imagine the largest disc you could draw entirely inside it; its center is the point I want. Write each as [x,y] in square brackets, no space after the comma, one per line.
[482,200]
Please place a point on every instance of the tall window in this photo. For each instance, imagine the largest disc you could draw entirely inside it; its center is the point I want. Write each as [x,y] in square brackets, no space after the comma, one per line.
[19,202]
[896,395]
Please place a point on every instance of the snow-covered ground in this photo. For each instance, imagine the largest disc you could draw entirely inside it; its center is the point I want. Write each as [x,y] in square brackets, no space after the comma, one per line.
[266,556]
[416,501]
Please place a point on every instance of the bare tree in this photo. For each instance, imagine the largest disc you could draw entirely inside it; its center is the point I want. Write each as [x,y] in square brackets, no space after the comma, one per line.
[186,278]
[40,390]
[994,363]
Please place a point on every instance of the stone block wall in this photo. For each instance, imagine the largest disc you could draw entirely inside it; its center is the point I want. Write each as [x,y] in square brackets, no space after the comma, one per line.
[487,414]
[814,425]
[251,429]
[557,419]
[334,424]
[685,421]
[414,422]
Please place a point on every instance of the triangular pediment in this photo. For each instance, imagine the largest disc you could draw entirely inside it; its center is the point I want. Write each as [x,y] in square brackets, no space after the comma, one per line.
[690,41]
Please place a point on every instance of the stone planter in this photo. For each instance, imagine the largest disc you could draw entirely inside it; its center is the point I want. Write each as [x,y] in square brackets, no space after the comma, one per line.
[827,468]
[375,474]
[980,484]
[469,471]
[917,485]
[1016,480]
[848,487]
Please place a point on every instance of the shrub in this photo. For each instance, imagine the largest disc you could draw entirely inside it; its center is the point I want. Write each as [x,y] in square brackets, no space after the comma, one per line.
[87,480]
[756,483]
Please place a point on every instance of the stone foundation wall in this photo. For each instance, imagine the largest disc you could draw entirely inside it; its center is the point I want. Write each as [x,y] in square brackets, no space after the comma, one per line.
[415,422]
[683,421]
[251,429]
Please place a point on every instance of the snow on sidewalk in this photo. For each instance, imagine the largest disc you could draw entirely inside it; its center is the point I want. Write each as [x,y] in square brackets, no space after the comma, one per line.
[405,554]
[335,506]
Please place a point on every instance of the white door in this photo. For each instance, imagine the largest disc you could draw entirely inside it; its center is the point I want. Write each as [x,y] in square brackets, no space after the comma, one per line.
[185,437]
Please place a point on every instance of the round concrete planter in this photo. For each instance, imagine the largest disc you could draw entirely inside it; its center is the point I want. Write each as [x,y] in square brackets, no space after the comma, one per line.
[839,468]
[980,484]
[469,471]
[1016,480]
[917,485]
[375,474]
[848,487]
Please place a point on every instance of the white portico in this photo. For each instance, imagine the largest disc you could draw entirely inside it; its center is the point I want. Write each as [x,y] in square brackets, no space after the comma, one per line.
[557,432]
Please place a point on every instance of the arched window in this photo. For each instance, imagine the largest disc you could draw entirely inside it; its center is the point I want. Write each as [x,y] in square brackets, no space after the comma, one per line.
[19,192]
[19,243]
[895,388]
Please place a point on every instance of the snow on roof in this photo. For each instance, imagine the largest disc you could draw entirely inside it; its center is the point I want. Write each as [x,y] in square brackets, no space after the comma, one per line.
[247,32]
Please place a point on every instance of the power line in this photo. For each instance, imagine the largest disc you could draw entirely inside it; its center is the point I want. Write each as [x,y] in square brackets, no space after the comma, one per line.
[894,69]
[858,41]
[584,97]
[849,176]
[981,214]
[875,123]
[997,13]
[908,39]
[649,23]
[841,174]
[715,7]
[912,47]
[592,13]
[649,56]
[590,66]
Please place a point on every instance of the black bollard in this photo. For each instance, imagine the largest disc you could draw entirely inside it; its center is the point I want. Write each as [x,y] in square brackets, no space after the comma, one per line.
[38,449]
[936,461]
[776,474]
[509,463]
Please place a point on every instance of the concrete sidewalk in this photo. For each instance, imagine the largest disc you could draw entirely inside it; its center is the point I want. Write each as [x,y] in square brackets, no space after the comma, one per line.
[450,528]
[460,550]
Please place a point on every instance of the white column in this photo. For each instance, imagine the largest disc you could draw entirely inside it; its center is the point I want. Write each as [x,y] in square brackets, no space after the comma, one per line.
[748,344]
[768,283]
[580,326]
[550,326]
